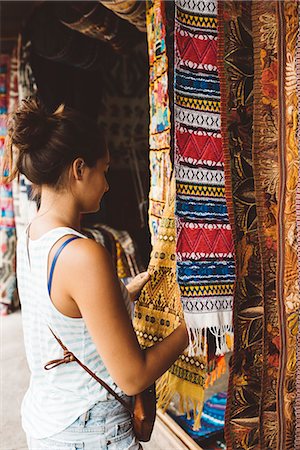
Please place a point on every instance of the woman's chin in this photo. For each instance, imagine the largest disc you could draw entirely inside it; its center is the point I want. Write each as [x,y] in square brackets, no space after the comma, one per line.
[92,209]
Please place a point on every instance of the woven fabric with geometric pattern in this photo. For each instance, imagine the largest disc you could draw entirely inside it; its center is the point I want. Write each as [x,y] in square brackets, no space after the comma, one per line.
[205,263]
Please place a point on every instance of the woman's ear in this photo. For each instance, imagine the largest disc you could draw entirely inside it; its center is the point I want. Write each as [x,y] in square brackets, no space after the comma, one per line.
[77,168]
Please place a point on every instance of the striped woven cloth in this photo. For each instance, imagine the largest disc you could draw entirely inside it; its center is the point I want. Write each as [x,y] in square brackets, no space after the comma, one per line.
[205,263]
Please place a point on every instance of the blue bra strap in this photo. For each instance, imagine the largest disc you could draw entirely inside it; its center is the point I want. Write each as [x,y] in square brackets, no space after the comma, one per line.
[55,260]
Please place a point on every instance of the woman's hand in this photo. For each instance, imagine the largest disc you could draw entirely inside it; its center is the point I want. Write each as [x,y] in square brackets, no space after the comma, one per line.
[135,286]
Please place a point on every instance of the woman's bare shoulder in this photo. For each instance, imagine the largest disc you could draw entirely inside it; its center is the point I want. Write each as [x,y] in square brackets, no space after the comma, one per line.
[87,255]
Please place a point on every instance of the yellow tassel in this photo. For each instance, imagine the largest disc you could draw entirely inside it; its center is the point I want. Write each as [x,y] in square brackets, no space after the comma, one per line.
[218,371]
[191,397]
[229,341]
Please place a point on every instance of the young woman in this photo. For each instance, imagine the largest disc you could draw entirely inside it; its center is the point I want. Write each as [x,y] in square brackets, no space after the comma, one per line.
[67,282]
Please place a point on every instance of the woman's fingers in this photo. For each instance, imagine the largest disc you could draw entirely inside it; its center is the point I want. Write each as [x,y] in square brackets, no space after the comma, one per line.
[136,285]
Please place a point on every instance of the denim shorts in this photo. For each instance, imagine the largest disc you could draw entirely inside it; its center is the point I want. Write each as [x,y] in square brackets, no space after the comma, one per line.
[106,426]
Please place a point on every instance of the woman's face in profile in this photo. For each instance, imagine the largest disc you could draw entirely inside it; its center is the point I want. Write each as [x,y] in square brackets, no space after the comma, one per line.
[96,184]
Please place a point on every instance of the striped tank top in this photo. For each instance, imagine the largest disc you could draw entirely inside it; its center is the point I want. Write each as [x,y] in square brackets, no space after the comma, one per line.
[55,398]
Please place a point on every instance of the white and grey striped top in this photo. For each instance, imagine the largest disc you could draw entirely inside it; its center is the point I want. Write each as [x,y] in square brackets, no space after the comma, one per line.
[55,398]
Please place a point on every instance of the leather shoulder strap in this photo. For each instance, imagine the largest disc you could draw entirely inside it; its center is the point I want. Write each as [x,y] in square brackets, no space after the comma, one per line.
[69,357]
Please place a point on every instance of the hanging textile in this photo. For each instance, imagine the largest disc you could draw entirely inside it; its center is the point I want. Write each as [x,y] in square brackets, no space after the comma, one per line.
[275,168]
[205,264]
[52,40]
[212,419]
[157,314]
[121,247]
[96,21]
[133,265]
[7,219]
[131,10]
[297,400]
[263,171]
[26,82]
[236,75]
[159,131]
[22,85]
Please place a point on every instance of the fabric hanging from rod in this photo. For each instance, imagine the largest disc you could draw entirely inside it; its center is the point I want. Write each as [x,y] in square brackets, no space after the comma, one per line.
[134,11]
[160,120]
[205,262]
[120,246]
[96,21]
[125,241]
[7,218]
[263,170]
[52,40]
[22,85]
[297,400]
[276,167]
[235,52]
[157,314]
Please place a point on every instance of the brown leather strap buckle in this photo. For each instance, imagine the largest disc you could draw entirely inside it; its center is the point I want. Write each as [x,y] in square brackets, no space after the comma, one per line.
[68,357]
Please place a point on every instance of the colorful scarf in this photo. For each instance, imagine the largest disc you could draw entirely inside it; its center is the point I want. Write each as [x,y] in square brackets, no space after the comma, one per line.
[159,131]
[205,264]
[157,314]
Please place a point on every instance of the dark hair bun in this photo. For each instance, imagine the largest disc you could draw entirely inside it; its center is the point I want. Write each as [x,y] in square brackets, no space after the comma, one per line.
[47,143]
[30,126]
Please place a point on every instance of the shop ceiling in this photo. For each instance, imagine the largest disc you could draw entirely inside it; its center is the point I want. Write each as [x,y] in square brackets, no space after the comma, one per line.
[13,15]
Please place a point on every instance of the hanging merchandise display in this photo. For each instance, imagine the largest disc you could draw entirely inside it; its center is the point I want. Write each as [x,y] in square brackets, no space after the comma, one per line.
[96,21]
[297,401]
[131,10]
[263,171]
[205,262]
[212,420]
[52,40]
[160,120]
[158,313]
[7,218]
[275,168]
[121,248]
[273,155]
[236,75]
[26,82]
[22,85]
[133,265]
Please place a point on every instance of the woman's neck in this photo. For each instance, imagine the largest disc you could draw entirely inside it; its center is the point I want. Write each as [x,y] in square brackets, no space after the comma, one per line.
[59,208]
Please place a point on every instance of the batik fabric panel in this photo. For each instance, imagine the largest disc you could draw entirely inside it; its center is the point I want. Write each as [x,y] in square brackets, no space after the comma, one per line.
[205,263]
[274,150]
[7,219]
[297,401]
[160,122]
[290,169]
[235,51]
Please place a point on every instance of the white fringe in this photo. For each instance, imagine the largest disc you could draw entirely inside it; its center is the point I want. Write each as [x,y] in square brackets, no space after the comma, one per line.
[198,339]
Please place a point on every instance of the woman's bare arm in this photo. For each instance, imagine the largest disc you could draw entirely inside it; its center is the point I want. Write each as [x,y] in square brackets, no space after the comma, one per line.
[91,281]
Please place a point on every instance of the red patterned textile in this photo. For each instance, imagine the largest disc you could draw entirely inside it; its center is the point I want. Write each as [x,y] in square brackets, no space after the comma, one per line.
[205,264]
